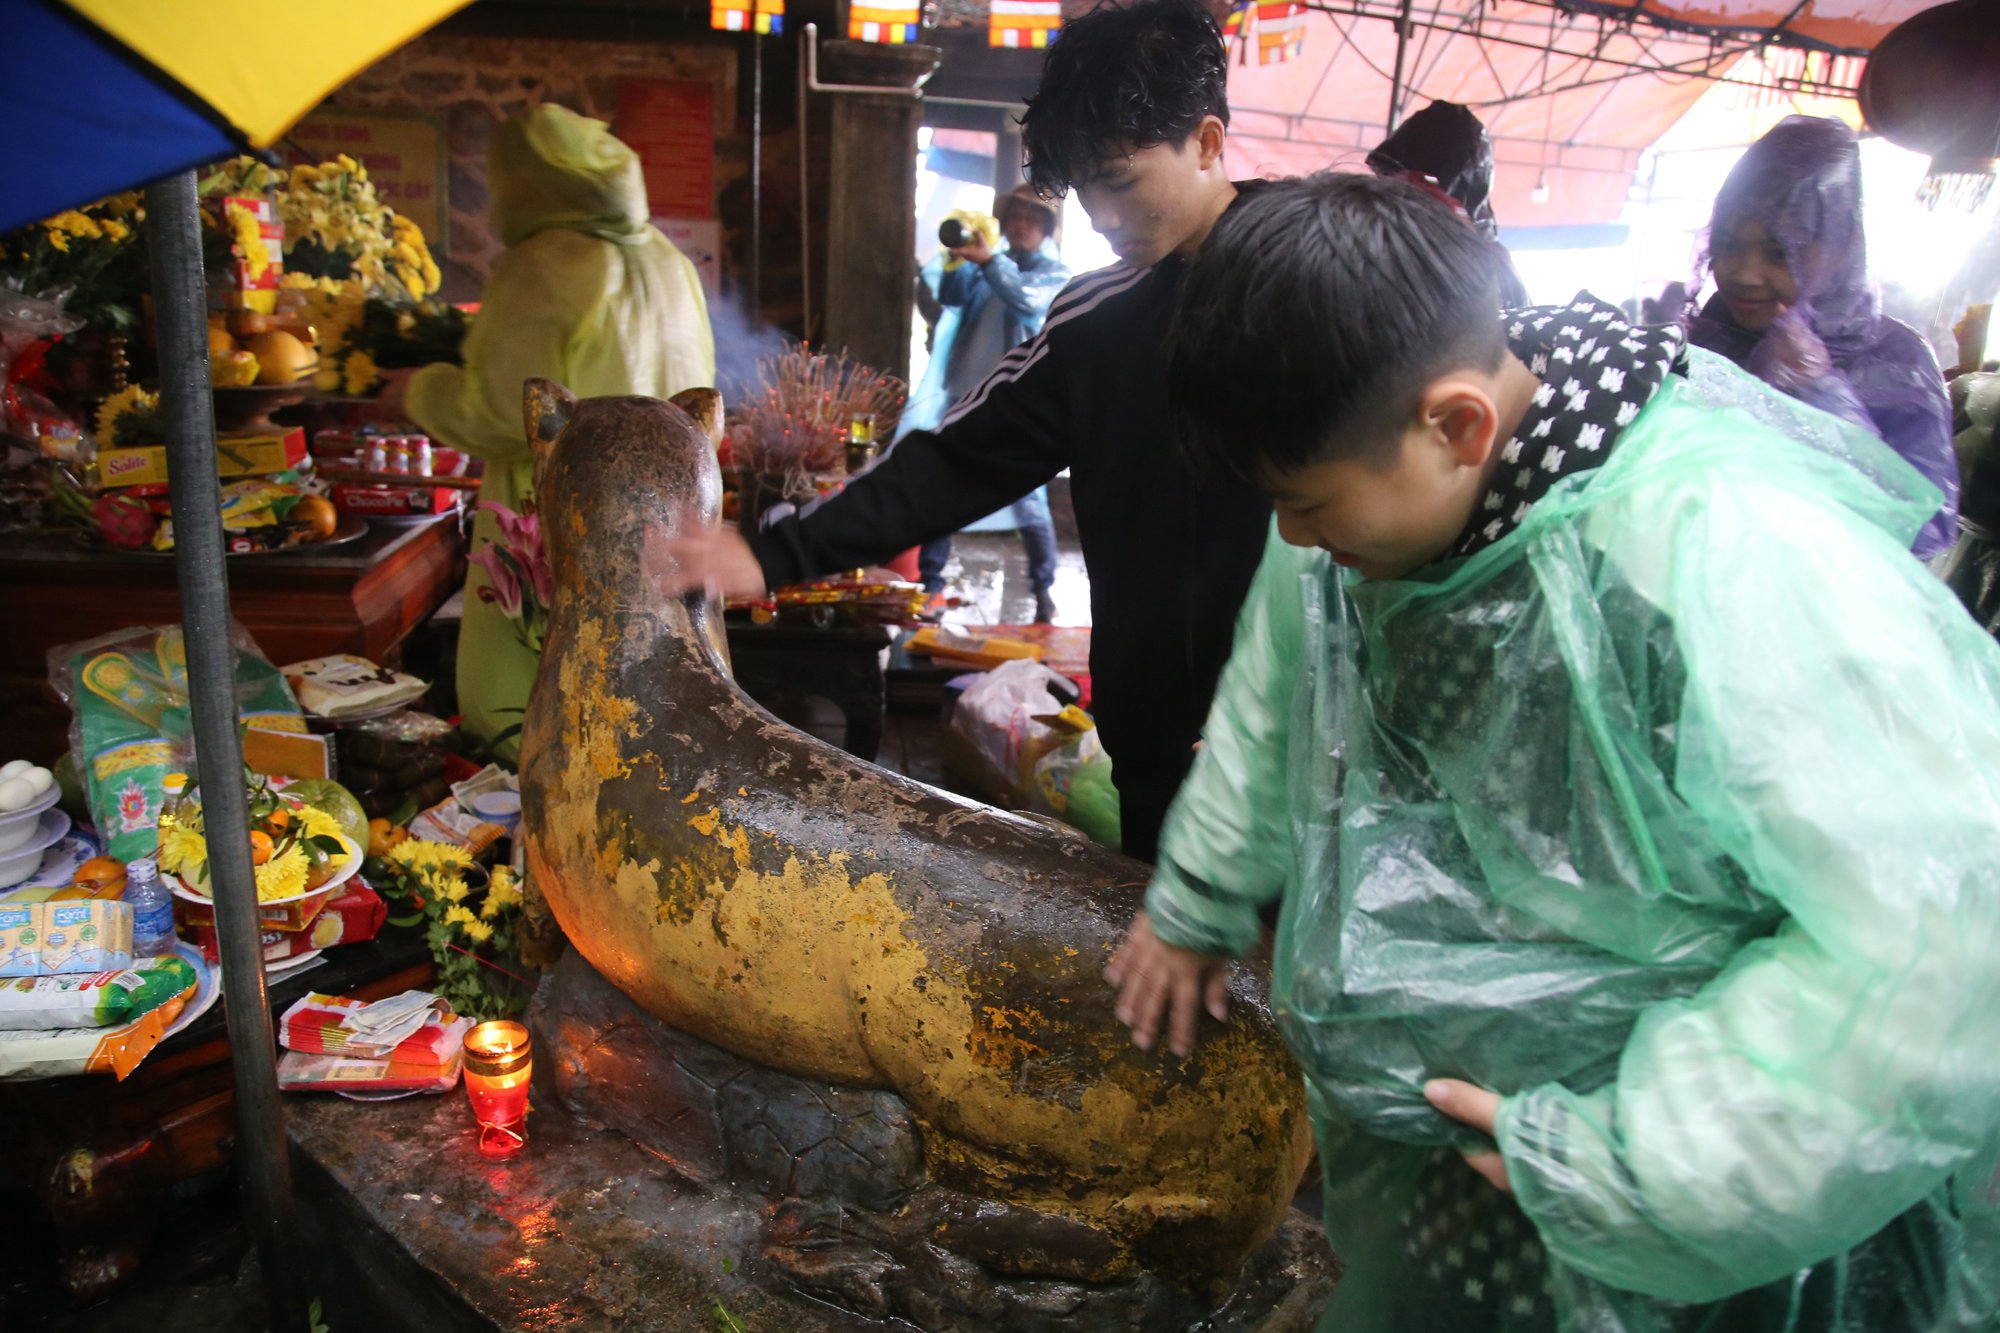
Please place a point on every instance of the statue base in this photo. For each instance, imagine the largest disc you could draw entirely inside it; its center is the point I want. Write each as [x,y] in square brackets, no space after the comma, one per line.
[666,1180]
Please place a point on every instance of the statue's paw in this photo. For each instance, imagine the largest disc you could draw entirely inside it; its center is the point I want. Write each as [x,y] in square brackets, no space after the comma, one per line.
[846,1274]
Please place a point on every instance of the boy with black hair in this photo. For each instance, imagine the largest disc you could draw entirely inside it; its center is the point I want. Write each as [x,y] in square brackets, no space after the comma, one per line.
[1131,113]
[1632,798]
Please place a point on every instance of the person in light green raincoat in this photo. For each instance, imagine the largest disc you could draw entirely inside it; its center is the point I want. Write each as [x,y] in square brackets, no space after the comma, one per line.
[1632,798]
[590,295]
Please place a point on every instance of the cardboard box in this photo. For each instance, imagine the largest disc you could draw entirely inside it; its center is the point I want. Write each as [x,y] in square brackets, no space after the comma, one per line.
[294,915]
[351,917]
[395,501]
[246,454]
[20,939]
[91,935]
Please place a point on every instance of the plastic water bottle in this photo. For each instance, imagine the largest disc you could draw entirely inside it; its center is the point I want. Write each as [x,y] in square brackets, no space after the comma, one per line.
[152,910]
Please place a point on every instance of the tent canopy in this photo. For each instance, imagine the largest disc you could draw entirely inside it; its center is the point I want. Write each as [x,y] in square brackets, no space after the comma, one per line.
[1571,97]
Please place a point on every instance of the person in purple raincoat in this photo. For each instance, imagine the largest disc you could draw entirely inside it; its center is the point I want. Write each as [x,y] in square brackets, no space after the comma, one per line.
[1793,304]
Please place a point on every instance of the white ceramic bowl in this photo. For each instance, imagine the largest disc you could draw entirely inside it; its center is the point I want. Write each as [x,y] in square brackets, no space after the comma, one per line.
[18,826]
[26,856]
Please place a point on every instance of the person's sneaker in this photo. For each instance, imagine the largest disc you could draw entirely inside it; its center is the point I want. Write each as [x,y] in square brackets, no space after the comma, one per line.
[1045,607]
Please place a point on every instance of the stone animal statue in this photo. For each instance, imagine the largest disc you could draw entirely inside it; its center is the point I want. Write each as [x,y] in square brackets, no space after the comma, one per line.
[788,903]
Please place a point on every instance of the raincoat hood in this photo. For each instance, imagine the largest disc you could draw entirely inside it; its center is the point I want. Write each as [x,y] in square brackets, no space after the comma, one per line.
[550,167]
[1832,348]
[1802,181]
[1449,144]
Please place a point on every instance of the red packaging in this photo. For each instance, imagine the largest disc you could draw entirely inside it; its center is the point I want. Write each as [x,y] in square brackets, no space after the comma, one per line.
[313,1025]
[353,914]
[395,501]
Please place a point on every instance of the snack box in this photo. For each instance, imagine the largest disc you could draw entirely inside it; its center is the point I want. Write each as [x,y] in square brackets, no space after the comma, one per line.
[294,915]
[396,501]
[246,454]
[299,1071]
[354,916]
[53,938]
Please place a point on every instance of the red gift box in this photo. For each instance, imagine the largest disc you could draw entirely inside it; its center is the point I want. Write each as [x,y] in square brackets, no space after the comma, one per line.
[354,914]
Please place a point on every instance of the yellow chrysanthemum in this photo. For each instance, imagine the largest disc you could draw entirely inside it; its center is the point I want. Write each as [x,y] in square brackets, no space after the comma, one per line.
[359,373]
[60,240]
[504,892]
[248,237]
[318,823]
[181,850]
[454,890]
[284,875]
[114,230]
[459,916]
[421,854]
[478,931]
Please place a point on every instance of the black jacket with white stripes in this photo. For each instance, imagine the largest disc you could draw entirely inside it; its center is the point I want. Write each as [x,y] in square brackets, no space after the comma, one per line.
[1170,553]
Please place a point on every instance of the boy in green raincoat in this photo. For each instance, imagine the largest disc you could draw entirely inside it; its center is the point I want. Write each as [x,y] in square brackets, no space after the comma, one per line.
[590,295]
[1632,797]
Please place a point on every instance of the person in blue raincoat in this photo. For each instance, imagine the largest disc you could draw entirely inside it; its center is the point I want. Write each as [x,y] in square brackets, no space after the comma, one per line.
[1631,800]
[992,301]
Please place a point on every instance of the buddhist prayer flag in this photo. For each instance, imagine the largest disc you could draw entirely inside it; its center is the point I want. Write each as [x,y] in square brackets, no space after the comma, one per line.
[747,15]
[1024,23]
[1277,28]
[889,21]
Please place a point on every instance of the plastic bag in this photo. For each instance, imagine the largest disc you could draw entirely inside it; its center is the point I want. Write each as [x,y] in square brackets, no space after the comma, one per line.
[1073,783]
[995,718]
[1674,820]
[130,724]
[24,413]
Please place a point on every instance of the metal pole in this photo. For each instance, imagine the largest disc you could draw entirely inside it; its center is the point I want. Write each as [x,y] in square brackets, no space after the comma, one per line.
[1396,80]
[756,178]
[805,197]
[173,226]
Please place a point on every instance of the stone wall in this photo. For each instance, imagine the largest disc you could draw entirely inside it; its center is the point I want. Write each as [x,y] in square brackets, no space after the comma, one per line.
[471,83]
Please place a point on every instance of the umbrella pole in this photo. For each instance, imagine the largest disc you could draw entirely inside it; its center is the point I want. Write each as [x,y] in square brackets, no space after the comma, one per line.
[756,178]
[173,225]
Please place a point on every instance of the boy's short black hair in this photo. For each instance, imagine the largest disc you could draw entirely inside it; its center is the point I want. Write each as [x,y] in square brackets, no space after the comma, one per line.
[1140,74]
[1315,314]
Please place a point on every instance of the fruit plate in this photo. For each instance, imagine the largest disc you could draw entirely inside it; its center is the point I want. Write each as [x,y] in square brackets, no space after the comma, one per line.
[291,913]
[351,528]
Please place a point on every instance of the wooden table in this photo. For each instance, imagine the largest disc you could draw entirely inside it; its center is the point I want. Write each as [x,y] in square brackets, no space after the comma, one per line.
[99,1157]
[359,597]
[784,664]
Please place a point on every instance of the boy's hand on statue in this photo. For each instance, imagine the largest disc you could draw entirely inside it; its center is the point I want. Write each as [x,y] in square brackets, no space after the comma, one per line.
[1477,1107]
[712,559]
[1157,981]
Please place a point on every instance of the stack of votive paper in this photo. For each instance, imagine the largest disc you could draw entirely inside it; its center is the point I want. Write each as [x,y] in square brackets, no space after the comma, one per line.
[406,1043]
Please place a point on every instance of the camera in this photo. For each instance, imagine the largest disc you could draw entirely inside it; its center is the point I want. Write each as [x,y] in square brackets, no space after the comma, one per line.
[952,234]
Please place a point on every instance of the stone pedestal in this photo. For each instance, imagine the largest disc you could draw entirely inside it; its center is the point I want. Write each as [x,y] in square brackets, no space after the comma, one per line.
[871,215]
[665,1180]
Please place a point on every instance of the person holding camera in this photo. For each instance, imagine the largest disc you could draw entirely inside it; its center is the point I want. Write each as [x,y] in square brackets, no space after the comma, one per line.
[991,301]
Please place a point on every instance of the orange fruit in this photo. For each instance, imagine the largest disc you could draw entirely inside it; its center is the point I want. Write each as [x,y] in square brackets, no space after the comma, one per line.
[280,819]
[100,877]
[317,514]
[261,847]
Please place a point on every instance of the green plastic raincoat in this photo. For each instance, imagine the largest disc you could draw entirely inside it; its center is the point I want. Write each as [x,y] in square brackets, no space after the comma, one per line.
[1673,817]
[590,295]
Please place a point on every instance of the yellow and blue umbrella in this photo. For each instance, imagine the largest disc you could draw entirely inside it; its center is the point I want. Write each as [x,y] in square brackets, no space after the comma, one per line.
[105,95]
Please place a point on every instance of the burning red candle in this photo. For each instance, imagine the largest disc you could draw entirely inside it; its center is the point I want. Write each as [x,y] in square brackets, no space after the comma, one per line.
[498,1065]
